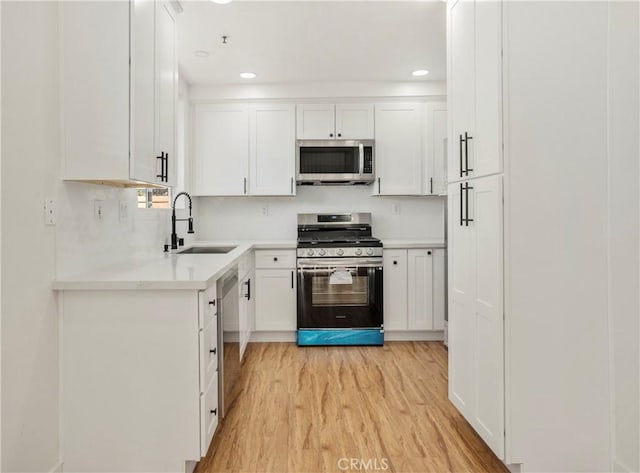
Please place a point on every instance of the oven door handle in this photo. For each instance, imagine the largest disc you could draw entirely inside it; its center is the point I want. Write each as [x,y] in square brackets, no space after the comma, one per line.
[304,263]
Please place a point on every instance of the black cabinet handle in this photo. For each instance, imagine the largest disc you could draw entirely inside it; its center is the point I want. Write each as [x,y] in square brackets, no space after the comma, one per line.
[460,154]
[214,411]
[466,200]
[161,158]
[466,153]
[330,135]
[213,350]
[428,252]
[166,167]
[248,295]
[292,185]
[431,185]
[395,262]
[291,279]
[339,135]
[275,258]
[245,185]
[378,185]
[461,204]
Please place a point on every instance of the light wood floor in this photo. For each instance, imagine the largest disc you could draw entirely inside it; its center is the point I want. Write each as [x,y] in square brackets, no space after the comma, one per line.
[303,409]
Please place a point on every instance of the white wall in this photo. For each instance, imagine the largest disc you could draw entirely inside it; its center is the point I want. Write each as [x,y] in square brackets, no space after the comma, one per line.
[242,217]
[30,167]
[624,307]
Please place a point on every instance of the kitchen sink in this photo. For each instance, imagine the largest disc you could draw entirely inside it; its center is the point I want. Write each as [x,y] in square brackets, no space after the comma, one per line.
[210,250]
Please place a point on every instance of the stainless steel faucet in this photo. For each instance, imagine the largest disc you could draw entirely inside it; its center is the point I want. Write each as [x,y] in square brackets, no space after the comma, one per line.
[174,235]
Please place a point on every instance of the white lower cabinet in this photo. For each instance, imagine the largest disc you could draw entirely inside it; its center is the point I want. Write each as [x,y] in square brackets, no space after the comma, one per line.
[414,290]
[275,290]
[246,309]
[149,359]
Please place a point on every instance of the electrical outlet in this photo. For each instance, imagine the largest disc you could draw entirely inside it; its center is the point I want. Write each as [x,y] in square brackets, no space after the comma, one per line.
[98,210]
[395,209]
[123,213]
[49,212]
[265,210]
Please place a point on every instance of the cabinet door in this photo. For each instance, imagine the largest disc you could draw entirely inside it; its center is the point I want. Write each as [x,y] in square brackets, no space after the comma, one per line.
[315,121]
[462,336]
[485,208]
[398,161]
[143,163]
[436,149]
[246,296]
[420,299]
[439,288]
[275,299]
[354,121]
[272,141]
[221,157]
[461,81]
[166,88]
[395,289]
[486,146]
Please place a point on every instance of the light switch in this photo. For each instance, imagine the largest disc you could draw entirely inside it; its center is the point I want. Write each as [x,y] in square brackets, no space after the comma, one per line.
[98,210]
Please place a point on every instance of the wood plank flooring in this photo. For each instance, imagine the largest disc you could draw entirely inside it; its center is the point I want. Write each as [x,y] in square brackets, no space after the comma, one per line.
[313,409]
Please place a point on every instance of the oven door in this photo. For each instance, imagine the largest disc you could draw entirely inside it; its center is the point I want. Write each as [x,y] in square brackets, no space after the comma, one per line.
[340,293]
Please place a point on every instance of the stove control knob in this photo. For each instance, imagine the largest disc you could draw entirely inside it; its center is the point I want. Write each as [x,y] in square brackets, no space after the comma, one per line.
[369,251]
[358,252]
[322,252]
[310,252]
[340,252]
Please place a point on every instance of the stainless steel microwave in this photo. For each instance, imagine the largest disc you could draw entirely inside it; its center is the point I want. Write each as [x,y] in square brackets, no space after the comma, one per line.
[335,162]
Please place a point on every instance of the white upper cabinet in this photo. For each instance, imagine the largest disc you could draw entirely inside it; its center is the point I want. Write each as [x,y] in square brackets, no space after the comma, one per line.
[399,150]
[315,121]
[272,141]
[243,149]
[118,92]
[221,158]
[343,121]
[474,46]
[436,148]
[354,121]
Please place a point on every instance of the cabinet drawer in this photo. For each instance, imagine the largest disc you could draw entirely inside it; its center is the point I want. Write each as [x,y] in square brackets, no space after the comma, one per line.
[272,259]
[208,353]
[208,415]
[208,306]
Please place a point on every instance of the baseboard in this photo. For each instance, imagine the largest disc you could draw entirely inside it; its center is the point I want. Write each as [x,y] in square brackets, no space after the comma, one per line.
[189,467]
[391,336]
[59,468]
[414,336]
[514,467]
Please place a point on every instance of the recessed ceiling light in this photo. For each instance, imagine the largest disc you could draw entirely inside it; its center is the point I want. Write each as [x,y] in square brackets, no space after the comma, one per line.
[201,53]
[248,75]
[420,73]
[221,2]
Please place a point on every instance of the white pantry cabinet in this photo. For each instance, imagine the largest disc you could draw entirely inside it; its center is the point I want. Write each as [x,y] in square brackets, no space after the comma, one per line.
[474,88]
[272,142]
[334,121]
[149,360]
[414,290]
[436,143]
[244,149]
[118,92]
[275,290]
[399,149]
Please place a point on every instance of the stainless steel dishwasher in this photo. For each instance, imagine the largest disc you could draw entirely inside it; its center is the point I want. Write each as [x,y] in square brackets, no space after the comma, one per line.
[228,341]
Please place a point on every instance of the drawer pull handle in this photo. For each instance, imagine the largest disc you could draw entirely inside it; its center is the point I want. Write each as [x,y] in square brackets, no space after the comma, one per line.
[213,302]
[428,252]
[213,350]
[275,258]
[395,262]
[214,411]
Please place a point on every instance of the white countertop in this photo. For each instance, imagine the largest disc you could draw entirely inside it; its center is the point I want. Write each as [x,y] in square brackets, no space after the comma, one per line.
[413,244]
[187,271]
[167,270]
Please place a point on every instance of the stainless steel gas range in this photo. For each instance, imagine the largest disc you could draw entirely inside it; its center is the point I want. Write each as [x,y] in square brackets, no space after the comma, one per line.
[339,280]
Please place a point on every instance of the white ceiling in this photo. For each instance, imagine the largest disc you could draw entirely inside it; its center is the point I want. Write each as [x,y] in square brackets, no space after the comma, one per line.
[311,41]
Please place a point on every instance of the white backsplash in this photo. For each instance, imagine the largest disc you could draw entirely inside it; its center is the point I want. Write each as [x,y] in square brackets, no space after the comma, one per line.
[228,218]
[83,242]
